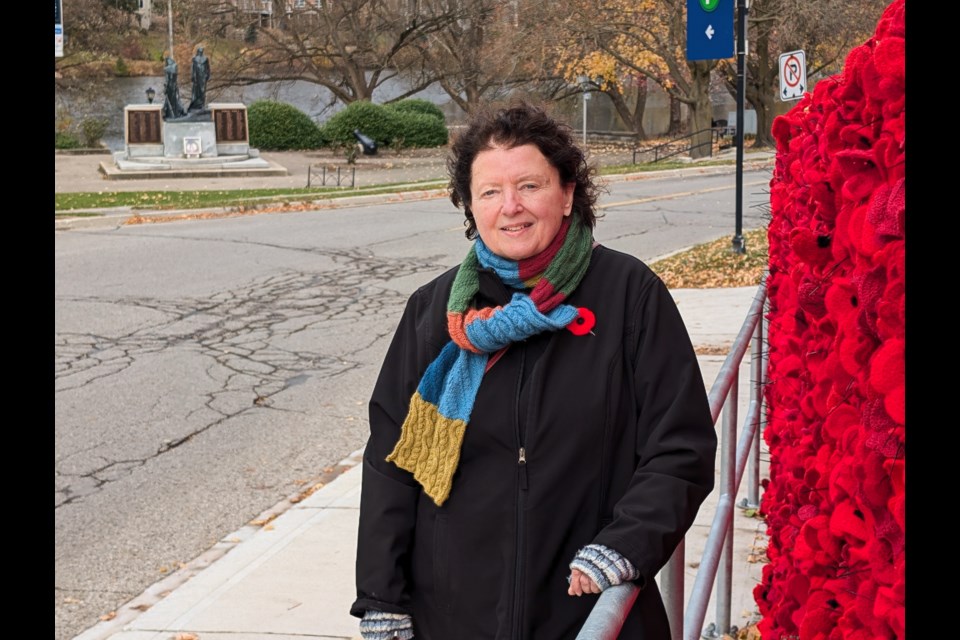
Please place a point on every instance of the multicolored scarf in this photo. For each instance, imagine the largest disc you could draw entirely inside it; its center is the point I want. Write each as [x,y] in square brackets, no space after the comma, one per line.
[432,433]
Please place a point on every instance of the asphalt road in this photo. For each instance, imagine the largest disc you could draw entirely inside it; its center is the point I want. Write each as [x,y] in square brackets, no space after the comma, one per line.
[207,370]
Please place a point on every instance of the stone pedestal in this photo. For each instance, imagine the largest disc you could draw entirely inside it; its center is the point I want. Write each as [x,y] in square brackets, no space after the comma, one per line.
[174,134]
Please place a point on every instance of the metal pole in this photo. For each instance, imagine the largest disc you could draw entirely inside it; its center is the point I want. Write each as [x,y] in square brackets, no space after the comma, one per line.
[585,98]
[728,478]
[609,613]
[738,241]
[170,26]
[753,477]
[671,587]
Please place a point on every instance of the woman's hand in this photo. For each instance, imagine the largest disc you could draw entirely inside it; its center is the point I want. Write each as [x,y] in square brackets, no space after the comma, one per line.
[581,583]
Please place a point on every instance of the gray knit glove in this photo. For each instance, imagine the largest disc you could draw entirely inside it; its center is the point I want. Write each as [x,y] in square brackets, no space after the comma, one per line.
[380,625]
[604,566]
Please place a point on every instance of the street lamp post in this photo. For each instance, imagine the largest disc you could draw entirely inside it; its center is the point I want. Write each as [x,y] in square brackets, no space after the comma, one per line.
[170,25]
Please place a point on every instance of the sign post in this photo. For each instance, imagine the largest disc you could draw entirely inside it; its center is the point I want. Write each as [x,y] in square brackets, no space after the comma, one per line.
[793,75]
[58,28]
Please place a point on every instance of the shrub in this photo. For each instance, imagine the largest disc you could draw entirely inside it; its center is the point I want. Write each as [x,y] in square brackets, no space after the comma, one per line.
[65,140]
[121,68]
[415,105]
[373,120]
[421,130]
[279,126]
[93,130]
[389,125]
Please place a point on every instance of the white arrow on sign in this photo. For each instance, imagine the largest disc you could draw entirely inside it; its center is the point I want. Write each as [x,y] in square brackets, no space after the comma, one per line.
[709,32]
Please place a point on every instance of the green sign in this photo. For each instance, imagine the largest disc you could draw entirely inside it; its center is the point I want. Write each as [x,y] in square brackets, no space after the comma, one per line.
[709,5]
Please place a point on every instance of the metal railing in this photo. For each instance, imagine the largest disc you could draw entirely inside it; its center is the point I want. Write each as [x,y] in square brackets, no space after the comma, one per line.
[678,145]
[334,178]
[611,609]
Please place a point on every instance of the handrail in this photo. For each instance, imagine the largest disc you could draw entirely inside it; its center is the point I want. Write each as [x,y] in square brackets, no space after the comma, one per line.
[614,603]
[674,150]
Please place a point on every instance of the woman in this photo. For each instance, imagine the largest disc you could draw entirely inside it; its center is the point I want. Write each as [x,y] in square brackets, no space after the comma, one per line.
[540,428]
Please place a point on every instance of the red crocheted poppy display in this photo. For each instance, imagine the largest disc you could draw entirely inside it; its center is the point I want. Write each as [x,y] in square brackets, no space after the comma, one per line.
[834,500]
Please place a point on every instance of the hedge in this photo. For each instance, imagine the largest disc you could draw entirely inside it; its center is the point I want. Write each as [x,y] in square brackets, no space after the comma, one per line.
[278,126]
[406,124]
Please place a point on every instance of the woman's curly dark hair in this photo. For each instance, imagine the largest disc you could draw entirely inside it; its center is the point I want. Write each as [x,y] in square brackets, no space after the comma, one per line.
[513,126]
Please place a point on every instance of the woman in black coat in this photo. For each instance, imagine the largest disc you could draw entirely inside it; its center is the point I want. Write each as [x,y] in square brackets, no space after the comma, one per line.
[540,428]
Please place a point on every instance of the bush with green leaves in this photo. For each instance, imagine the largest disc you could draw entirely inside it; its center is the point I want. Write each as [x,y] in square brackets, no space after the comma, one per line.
[421,130]
[278,126]
[65,140]
[373,120]
[416,105]
[409,125]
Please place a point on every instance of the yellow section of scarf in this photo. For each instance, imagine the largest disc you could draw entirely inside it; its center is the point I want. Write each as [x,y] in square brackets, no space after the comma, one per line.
[429,448]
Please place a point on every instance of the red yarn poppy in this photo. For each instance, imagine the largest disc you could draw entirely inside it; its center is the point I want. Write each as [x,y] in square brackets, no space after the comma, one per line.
[583,323]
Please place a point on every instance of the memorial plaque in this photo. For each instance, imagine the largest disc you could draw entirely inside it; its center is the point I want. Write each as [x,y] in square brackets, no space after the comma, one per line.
[143,127]
[231,124]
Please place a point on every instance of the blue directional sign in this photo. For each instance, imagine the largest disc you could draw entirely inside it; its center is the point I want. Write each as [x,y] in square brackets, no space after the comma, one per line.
[709,29]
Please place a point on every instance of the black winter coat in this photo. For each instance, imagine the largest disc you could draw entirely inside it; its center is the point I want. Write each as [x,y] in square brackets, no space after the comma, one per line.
[618,448]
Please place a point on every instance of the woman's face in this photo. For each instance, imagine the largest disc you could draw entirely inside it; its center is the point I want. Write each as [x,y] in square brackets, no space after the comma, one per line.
[517,200]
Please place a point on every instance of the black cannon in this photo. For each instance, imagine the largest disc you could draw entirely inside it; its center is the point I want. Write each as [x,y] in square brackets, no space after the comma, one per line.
[367,144]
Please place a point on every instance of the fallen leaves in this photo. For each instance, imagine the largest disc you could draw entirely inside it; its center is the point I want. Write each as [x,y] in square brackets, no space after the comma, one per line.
[306,493]
[108,616]
[263,522]
[186,636]
[715,265]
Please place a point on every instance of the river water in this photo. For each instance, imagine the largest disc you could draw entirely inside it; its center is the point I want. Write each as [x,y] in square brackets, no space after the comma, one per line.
[107,97]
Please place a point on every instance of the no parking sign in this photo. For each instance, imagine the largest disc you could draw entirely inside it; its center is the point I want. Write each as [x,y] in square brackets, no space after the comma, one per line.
[793,75]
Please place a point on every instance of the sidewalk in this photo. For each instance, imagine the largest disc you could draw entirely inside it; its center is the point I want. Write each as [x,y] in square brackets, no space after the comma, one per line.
[292,578]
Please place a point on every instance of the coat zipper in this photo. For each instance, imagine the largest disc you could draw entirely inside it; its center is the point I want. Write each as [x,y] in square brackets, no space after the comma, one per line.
[521,499]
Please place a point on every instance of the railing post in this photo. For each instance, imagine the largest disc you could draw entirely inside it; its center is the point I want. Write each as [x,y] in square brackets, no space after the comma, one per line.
[752,501]
[728,471]
[671,588]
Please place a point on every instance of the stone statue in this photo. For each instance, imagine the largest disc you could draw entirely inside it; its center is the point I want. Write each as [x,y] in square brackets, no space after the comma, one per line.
[171,92]
[199,74]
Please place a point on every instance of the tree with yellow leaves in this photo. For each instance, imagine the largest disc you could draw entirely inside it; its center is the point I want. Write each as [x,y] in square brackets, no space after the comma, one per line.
[647,39]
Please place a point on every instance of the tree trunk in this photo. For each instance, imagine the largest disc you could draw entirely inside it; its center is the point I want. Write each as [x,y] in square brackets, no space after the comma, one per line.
[631,118]
[761,91]
[701,113]
[676,124]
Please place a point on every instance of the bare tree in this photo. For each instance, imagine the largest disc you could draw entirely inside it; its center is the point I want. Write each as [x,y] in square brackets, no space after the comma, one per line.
[350,47]
[486,49]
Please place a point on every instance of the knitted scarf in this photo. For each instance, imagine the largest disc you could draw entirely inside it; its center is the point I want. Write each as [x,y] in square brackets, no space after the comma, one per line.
[432,433]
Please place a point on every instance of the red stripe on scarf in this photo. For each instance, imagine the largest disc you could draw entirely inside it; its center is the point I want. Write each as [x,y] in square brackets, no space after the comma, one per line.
[529,267]
[545,297]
